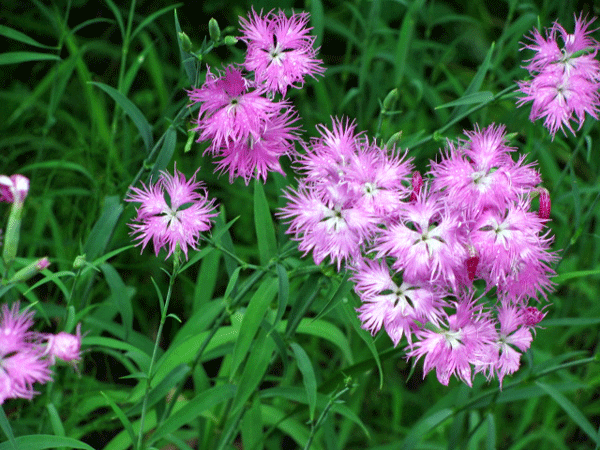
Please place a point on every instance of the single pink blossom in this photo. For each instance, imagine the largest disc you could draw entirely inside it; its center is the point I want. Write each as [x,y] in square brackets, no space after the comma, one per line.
[280,50]
[64,346]
[172,212]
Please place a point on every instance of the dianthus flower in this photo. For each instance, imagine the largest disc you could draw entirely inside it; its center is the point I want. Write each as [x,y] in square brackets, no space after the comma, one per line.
[172,212]
[280,49]
[565,80]
[230,111]
[22,357]
[64,346]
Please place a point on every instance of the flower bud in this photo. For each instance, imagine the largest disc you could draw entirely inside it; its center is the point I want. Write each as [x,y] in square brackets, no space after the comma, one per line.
[230,40]
[545,204]
[390,99]
[186,43]
[417,184]
[65,346]
[213,30]
[13,189]
[29,270]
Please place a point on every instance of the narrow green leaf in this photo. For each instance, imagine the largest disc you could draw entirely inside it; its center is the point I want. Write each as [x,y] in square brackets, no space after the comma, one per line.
[60,165]
[265,231]
[102,231]
[160,391]
[121,295]
[572,411]
[122,418]
[423,426]
[308,376]
[340,293]
[317,21]
[57,425]
[491,433]
[7,429]
[207,280]
[132,111]
[283,293]
[251,322]
[21,37]
[469,99]
[252,428]
[328,331]
[364,335]
[303,302]
[118,16]
[254,370]
[194,408]
[575,274]
[43,441]
[22,57]
[571,322]
[152,17]
[188,60]
[404,41]
[166,153]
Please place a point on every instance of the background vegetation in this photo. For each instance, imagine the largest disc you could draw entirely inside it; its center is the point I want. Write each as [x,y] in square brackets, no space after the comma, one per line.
[268,352]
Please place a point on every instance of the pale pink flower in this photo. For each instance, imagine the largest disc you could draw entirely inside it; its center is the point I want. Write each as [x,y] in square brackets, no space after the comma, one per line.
[280,49]
[456,345]
[173,212]
[13,189]
[565,79]
[64,346]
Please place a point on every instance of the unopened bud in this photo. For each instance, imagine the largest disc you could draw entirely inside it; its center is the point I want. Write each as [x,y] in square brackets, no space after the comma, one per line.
[186,43]
[394,139]
[13,189]
[230,40]
[472,263]
[532,316]
[390,99]
[79,262]
[545,204]
[29,270]
[213,30]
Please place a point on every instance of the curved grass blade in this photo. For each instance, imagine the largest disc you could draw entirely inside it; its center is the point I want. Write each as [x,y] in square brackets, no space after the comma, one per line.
[132,111]
[43,441]
[122,418]
[265,232]
[22,57]
[7,429]
[11,33]
[308,376]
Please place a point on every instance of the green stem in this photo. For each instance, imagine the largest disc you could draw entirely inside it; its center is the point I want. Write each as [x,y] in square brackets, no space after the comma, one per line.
[163,318]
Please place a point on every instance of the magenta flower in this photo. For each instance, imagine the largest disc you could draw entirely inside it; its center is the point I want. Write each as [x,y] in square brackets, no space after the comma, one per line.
[22,360]
[565,80]
[172,212]
[230,111]
[280,49]
[13,189]
[256,156]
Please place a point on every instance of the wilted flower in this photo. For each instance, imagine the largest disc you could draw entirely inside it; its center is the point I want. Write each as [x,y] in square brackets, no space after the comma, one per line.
[172,213]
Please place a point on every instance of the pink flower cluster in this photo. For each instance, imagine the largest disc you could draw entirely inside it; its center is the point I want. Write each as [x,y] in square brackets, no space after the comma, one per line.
[173,212]
[26,356]
[565,79]
[249,130]
[417,248]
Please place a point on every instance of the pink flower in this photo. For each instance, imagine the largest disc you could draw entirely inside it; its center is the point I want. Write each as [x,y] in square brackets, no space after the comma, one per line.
[256,156]
[390,302]
[172,213]
[457,345]
[22,361]
[64,346]
[328,225]
[13,189]
[565,83]
[280,49]
[480,173]
[230,111]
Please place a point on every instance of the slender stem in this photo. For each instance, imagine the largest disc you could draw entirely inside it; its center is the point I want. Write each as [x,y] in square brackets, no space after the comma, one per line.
[163,318]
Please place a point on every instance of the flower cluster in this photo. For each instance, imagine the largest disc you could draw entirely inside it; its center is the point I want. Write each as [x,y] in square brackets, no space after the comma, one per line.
[172,212]
[249,130]
[416,253]
[26,356]
[565,79]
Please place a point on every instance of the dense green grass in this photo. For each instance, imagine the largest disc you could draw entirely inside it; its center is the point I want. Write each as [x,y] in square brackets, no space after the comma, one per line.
[267,351]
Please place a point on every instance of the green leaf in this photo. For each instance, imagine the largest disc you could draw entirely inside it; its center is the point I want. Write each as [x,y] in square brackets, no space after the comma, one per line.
[308,376]
[152,17]
[122,418]
[251,322]
[558,279]
[404,40]
[57,425]
[317,21]
[102,231]
[283,293]
[7,429]
[469,99]
[328,331]
[43,441]
[132,111]
[22,57]
[251,427]
[571,322]
[18,36]
[121,296]
[188,60]
[423,426]
[202,402]
[265,232]
[166,153]
[573,412]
